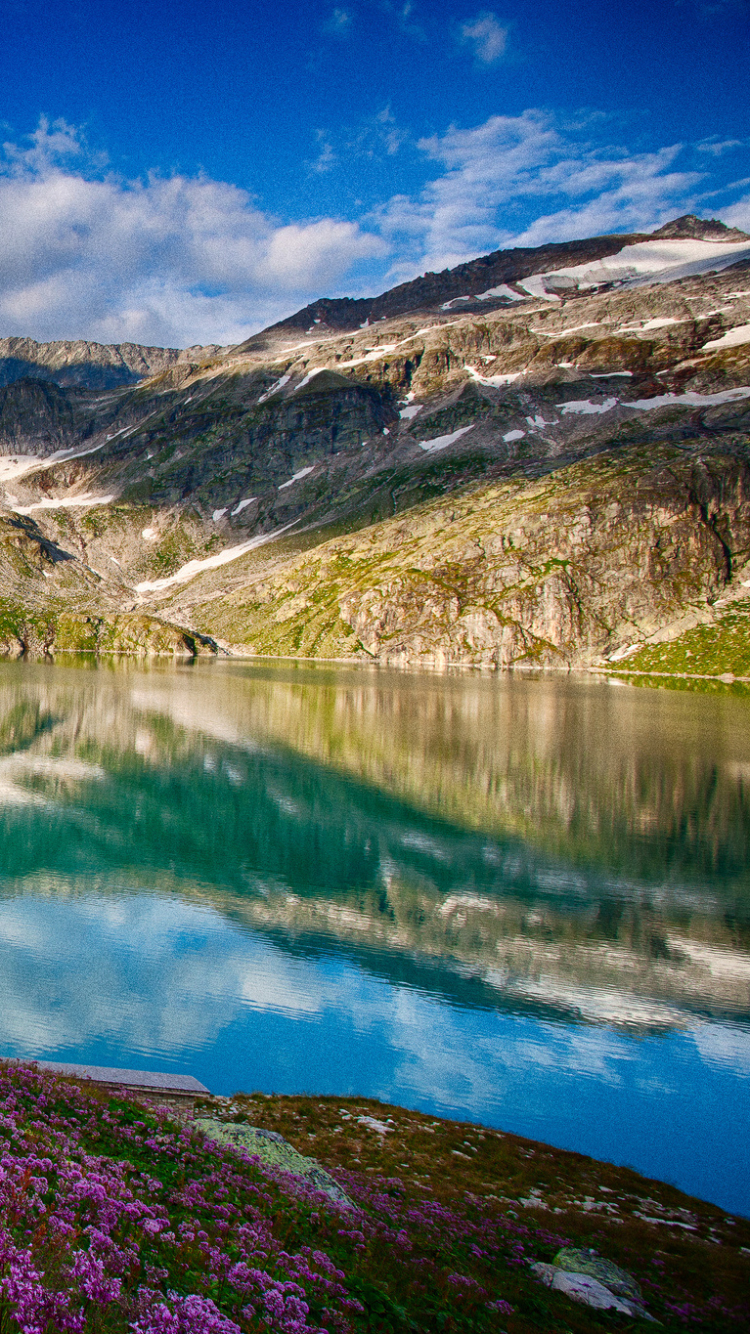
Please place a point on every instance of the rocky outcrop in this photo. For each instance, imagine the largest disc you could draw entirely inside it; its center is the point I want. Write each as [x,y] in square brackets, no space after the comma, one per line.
[36,418]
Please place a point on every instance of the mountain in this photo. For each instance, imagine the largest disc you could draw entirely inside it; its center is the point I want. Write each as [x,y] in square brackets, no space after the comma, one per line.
[538,458]
[481,278]
[88,365]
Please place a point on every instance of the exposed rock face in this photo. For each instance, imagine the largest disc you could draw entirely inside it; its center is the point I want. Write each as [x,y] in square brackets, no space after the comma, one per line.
[551,446]
[689,227]
[541,573]
[89,365]
[36,417]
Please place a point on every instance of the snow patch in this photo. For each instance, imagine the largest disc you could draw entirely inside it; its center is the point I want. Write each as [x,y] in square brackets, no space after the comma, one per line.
[646,261]
[310,375]
[442,441]
[372,354]
[407,413]
[219,514]
[650,324]
[150,534]
[17,464]
[561,333]
[514,435]
[494,380]
[585,407]
[243,505]
[194,567]
[20,464]
[502,290]
[275,388]
[535,287]
[688,400]
[625,652]
[66,502]
[303,472]
[733,338]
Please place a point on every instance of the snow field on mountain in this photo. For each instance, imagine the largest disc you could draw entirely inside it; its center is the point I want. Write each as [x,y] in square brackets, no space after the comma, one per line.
[655,261]
[64,502]
[442,441]
[303,472]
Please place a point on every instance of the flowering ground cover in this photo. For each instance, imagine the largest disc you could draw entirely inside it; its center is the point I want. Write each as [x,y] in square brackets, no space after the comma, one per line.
[116,1217]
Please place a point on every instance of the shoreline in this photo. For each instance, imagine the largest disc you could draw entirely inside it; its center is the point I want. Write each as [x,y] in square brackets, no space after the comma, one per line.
[432,669]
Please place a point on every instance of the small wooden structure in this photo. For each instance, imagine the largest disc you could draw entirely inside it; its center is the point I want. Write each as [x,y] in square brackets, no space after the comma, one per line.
[164,1089]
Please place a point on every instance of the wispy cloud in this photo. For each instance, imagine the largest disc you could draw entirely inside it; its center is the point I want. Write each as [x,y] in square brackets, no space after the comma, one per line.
[486,36]
[339,23]
[718,147]
[525,180]
[403,12]
[378,137]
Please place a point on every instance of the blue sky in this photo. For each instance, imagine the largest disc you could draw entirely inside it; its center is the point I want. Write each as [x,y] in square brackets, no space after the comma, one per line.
[182,174]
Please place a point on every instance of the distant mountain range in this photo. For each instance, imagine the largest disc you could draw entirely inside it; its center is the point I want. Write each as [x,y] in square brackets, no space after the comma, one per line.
[537,458]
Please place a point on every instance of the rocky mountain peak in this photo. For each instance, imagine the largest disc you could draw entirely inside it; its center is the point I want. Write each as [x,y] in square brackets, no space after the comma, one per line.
[691,228]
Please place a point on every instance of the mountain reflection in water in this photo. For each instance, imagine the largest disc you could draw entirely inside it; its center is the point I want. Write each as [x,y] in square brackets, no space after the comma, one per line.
[525,901]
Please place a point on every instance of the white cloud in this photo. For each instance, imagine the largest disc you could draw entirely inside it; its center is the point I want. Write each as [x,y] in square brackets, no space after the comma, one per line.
[487,36]
[564,183]
[738,214]
[718,147]
[339,23]
[173,260]
[182,260]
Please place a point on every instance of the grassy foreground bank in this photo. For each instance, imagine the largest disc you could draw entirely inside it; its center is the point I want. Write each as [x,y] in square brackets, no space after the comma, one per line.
[115,1217]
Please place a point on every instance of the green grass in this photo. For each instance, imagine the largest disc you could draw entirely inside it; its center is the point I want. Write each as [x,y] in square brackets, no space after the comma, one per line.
[722,648]
[117,1217]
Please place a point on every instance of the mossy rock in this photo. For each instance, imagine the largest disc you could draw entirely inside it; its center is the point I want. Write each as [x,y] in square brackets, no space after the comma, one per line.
[619,1281]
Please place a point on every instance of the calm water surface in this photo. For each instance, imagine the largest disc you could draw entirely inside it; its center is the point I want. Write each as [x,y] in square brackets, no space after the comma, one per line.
[519,901]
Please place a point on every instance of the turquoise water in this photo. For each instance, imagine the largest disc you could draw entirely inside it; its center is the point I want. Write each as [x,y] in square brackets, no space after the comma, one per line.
[518,901]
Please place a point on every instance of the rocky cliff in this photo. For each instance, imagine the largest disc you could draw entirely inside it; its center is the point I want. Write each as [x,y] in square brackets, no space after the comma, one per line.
[539,458]
[88,365]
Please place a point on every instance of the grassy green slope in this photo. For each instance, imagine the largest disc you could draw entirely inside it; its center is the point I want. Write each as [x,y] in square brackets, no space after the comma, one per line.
[722,648]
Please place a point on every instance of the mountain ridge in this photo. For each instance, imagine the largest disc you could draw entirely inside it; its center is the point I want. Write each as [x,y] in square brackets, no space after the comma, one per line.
[498,267]
[208,503]
[79,363]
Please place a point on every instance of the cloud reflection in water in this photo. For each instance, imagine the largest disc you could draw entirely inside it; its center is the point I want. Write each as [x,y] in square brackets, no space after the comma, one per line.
[522,902]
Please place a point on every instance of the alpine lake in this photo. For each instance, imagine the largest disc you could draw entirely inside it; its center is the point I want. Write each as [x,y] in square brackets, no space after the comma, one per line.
[522,900]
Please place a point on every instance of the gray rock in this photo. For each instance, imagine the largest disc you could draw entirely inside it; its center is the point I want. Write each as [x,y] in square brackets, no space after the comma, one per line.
[580,1275]
[618,1280]
[274,1152]
[583,1288]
